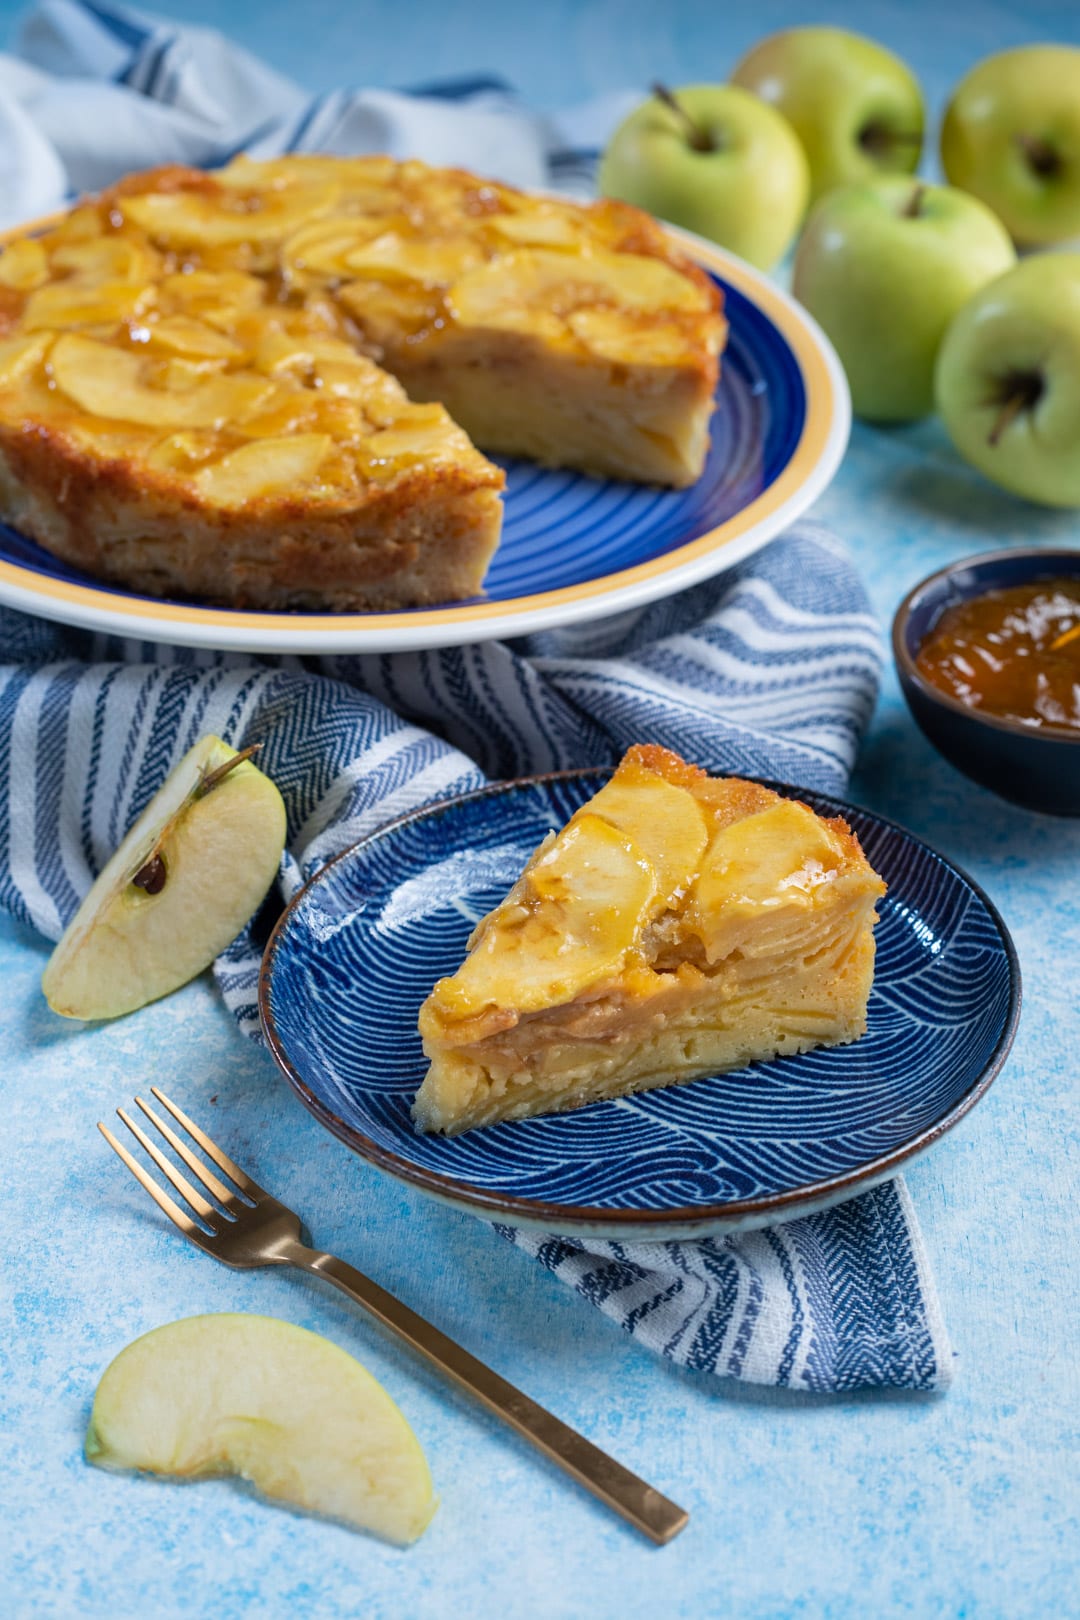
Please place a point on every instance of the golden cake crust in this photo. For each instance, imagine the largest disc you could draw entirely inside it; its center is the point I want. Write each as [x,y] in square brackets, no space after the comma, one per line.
[231,386]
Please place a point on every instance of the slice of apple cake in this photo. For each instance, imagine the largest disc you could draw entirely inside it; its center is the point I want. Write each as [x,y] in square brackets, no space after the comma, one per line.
[258,386]
[678,925]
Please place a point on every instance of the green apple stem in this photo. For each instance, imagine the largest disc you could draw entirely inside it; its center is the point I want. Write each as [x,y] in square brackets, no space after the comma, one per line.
[1040,154]
[153,873]
[212,778]
[1023,392]
[913,207]
[698,138]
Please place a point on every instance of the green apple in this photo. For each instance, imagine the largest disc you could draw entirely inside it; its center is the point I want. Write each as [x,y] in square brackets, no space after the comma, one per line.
[715,160]
[189,874]
[283,1408]
[1011,135]
[883,267]
[856,108]
[1008,379]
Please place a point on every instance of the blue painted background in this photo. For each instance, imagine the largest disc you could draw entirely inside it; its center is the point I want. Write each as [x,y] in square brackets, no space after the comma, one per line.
[963,1505]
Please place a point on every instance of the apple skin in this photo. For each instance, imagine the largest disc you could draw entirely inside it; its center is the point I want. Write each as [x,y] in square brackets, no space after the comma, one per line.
[884,284]
[1021,332]
[749,194]
[1019,96]
[833,87]
[281,1407]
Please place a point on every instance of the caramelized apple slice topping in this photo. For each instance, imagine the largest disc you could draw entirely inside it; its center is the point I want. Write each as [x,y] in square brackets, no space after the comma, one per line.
[62,304]
[214,295]
[424,434]
[616,336]
[777,858]
[266,467]
[182,334]
[196,219]
[24,264]
[564,927]
[106,258]
[108,382]
[413,258]
[19,356]
[541,226]
[665,822]
[511,289]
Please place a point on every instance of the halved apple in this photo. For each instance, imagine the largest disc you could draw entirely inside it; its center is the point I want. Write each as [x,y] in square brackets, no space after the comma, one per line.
[184,881]
[283,1408]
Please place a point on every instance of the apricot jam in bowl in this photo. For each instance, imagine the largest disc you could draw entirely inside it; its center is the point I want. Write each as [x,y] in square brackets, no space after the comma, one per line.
[988,655]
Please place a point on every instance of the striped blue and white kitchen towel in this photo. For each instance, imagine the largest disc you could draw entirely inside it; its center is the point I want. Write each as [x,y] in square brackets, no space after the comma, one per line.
[770,669]
[95,90]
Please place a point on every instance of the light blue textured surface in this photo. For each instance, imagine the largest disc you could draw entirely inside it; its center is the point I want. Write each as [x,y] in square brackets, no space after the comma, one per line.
[959,1505]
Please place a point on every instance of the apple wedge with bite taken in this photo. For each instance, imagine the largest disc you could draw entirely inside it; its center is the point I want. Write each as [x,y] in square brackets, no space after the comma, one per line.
[190,873]
[294,1415]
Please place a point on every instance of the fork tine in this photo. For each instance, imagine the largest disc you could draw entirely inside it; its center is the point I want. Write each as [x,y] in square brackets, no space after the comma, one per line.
[183,1186]
[207,1177]
[161,1199]
[222,1160]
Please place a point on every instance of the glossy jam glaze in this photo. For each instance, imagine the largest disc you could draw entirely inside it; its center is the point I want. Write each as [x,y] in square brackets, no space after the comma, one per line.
[1013,653]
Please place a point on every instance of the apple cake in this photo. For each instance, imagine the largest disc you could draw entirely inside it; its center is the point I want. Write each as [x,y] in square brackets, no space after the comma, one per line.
[678,925]
[262,386]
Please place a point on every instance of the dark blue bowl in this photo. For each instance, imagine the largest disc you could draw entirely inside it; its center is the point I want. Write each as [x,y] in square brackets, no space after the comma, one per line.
[1038,767]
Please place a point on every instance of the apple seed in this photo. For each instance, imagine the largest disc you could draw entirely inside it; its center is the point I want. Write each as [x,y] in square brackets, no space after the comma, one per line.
[152,875]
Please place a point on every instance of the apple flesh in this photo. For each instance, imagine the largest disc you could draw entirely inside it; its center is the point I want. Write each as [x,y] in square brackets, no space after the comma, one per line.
[715,160]
[884,267]
[285,1409]
[1008,380]
[856,108]
[189,874]
[1011,135]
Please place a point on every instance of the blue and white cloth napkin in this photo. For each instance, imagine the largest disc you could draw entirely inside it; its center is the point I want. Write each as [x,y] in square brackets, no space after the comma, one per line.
[95,90]
[769,670]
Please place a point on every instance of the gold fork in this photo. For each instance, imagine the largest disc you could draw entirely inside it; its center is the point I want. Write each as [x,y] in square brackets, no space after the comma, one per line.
[252,1229]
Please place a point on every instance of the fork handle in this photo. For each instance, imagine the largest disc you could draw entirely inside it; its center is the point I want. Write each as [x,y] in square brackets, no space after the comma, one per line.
[644,1507]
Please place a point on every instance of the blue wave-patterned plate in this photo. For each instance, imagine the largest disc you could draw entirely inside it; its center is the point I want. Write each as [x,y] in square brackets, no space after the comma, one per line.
[572,547]
[359,948]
